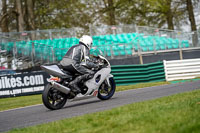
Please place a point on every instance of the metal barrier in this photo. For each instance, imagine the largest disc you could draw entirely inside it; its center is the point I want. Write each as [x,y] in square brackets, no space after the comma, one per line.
[113,29]
[164,32]
[19,45]
[17,54]
[146,30]
[45,34]
[132,74]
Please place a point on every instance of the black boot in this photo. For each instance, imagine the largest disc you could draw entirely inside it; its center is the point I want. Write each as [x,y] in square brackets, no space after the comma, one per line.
[74,84]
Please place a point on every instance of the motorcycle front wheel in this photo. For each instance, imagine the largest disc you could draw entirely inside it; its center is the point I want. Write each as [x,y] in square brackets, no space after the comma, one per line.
[52,98]
[105,91]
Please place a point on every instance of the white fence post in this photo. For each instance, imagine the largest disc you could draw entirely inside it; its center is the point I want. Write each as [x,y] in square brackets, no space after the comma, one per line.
[165,69]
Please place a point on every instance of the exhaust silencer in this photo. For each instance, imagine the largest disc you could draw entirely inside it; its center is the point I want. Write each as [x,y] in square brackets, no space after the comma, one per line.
[60,87]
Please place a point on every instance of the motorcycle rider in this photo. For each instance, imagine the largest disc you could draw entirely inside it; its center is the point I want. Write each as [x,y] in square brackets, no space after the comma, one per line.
[74,59]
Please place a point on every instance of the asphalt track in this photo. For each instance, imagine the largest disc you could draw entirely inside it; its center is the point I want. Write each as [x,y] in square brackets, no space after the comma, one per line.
[34,115]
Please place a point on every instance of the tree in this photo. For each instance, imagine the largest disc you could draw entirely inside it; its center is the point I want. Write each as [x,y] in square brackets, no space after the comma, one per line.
[156,13]
[169,15]
[103,11]
[61,14]
[30,14]
[191,15]
[56,14]
[20,16]
[4,18]
[162,12]
[110,10]
[192,21]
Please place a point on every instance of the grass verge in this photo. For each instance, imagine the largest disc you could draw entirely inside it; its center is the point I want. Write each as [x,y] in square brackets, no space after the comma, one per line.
[16,102]
[173,114]
[22,101]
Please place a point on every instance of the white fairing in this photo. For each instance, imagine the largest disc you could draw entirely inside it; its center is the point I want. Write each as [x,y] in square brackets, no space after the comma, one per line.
[92,84]
[54,68]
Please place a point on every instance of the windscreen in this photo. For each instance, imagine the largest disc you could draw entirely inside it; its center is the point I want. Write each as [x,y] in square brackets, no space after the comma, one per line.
[95,52]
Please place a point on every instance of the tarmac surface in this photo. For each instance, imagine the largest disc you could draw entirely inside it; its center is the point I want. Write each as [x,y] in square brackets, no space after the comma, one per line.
[38,114]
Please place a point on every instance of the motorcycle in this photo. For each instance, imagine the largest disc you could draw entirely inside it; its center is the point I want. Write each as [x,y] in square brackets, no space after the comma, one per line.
[57,92]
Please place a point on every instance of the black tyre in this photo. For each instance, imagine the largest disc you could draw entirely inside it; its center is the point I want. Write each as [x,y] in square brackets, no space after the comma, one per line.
[105,92]
[52,98]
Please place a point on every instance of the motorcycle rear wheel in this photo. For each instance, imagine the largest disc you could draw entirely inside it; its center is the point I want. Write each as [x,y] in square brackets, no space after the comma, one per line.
[105,92]
[52,98]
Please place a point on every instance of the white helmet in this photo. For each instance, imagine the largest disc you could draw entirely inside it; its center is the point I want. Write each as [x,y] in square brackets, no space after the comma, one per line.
[87,40]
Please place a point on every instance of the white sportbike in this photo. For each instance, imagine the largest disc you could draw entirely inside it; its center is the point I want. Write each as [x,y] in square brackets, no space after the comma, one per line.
[57,92]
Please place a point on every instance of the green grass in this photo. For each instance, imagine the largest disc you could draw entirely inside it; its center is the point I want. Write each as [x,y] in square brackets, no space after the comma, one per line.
[16,102]
[22,101]
[173,114]
[141,85]
[186,80]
